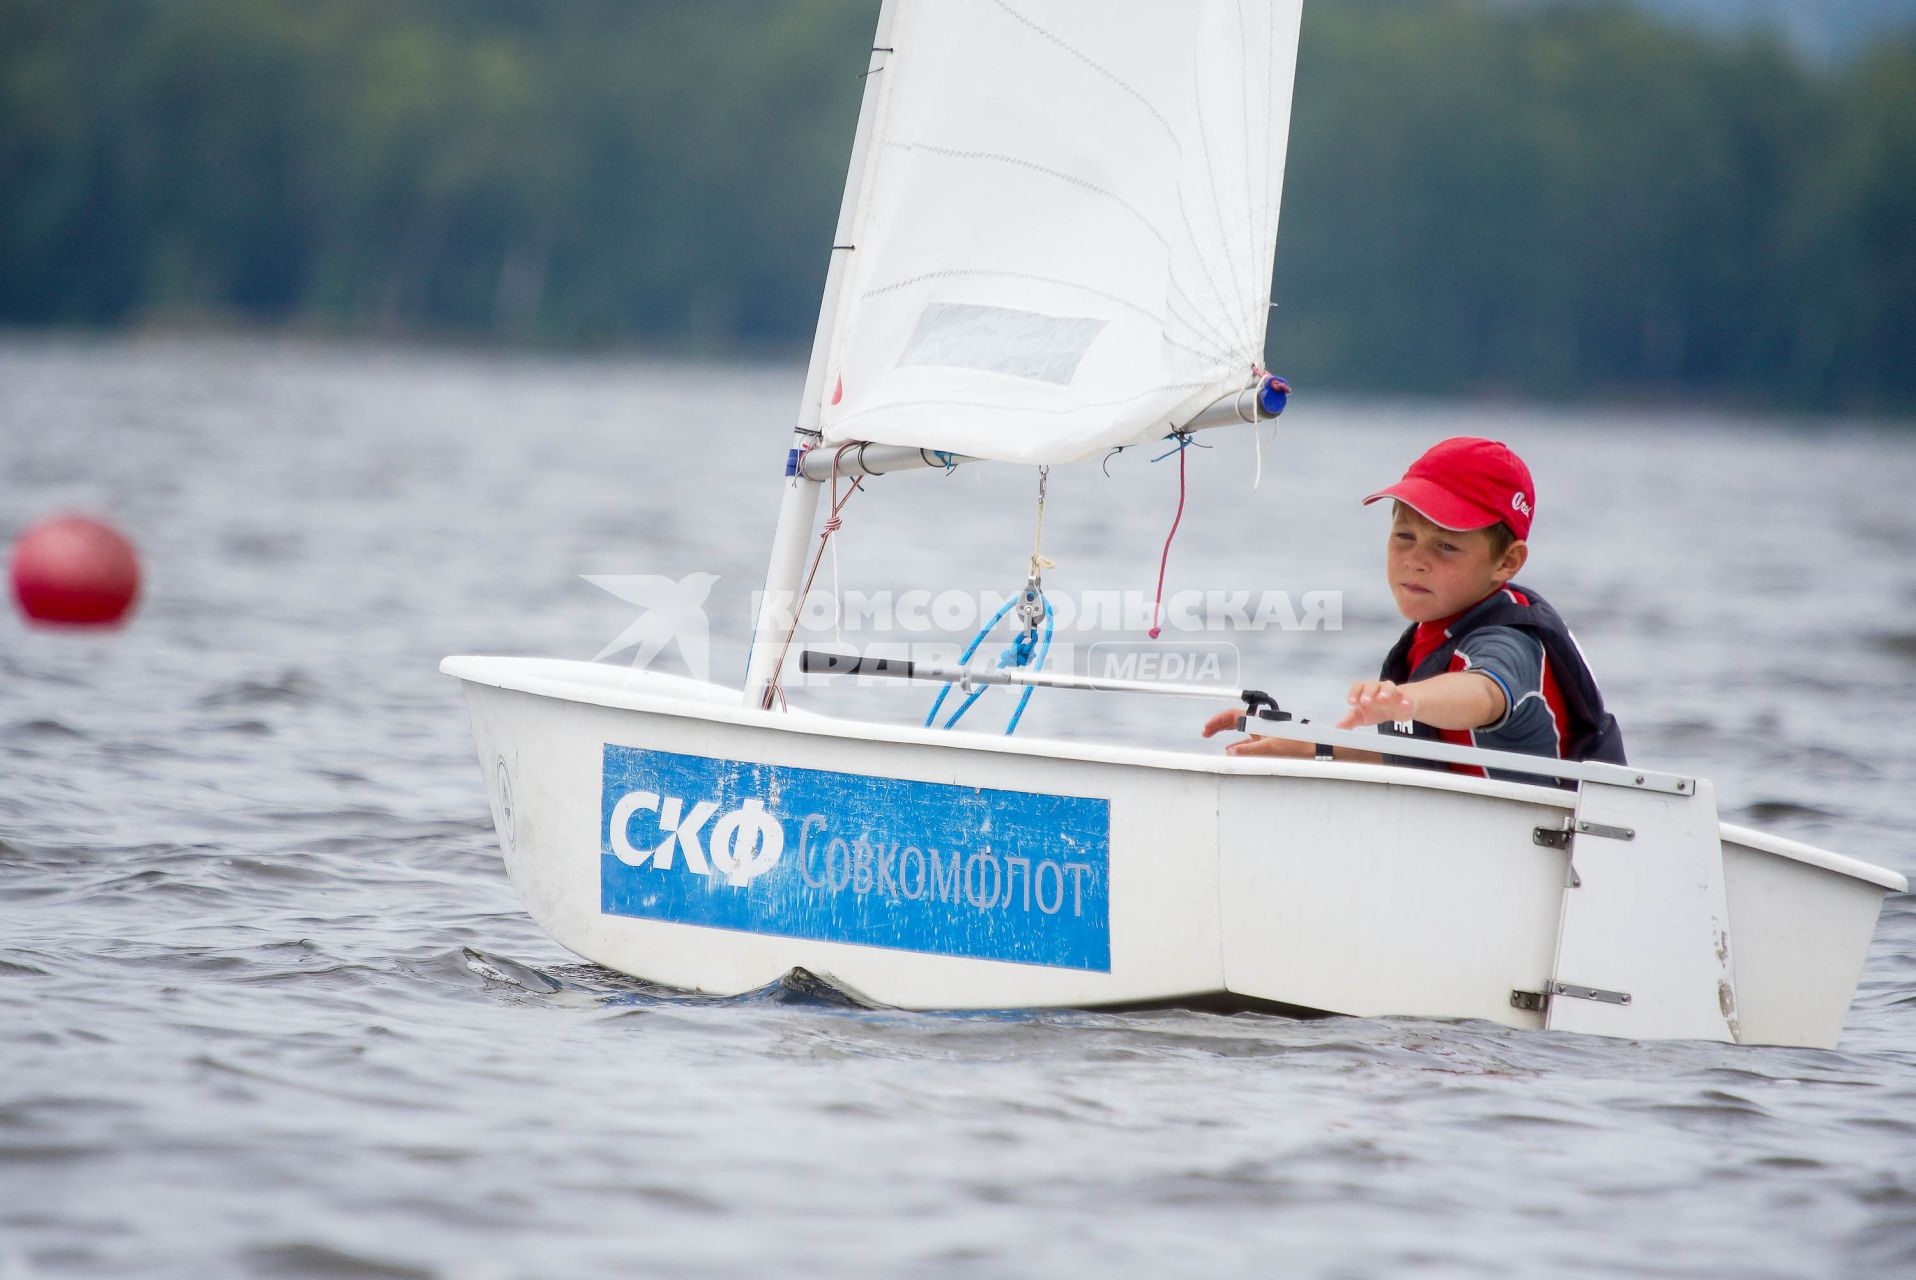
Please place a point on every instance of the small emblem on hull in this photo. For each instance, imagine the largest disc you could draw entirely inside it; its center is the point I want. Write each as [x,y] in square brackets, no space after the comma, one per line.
[504,819]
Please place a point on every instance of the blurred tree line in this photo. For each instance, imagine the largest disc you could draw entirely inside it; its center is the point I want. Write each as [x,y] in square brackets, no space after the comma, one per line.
[1566,199]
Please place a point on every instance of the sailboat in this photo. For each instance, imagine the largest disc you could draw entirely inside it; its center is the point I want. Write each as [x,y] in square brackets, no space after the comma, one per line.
[1056,235]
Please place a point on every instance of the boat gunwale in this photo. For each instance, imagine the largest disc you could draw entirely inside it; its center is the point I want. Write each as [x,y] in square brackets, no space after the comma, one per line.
[1797,851]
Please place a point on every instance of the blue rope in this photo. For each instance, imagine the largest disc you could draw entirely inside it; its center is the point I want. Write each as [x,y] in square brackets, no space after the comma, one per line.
[1044,651]
[1183,442]
[1022,652]
[965,657]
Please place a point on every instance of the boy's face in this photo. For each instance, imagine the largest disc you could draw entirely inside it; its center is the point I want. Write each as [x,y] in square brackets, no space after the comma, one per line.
[1435,572]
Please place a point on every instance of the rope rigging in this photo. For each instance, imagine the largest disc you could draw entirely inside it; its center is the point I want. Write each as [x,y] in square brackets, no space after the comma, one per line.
[1028,648]
[834,521]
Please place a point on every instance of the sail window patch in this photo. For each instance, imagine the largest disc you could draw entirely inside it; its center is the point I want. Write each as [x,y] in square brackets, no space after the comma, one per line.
[1023,344]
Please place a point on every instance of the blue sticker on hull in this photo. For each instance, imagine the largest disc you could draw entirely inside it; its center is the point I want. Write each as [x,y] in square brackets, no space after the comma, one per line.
[842,857]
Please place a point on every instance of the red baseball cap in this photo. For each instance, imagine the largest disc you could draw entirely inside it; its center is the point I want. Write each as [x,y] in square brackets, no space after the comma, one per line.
[1467,483]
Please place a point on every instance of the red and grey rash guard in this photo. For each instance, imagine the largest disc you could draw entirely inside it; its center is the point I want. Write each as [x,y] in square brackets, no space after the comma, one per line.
[1551,703]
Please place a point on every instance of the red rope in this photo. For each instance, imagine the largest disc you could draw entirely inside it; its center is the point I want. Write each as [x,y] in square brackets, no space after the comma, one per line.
[1157,604]
[833,523]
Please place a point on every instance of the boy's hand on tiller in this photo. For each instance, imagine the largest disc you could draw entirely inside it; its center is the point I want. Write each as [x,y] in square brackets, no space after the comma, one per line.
[1376,701]
[1226,721]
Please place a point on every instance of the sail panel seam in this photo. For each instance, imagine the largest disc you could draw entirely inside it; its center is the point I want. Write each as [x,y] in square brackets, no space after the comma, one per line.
[954,153]
[1101,69]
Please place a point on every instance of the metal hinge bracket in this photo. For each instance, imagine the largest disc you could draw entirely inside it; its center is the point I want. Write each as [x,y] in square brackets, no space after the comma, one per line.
[1539,1001]
[1552,837]
[1559,837]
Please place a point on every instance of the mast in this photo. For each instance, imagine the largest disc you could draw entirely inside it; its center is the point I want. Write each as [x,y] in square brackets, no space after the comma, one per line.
[798,507]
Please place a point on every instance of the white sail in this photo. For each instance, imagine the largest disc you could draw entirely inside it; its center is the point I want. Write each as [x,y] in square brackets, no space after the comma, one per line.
[1065,236]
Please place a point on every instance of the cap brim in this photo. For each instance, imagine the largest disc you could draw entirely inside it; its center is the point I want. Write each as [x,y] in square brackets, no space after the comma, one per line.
[1437,505]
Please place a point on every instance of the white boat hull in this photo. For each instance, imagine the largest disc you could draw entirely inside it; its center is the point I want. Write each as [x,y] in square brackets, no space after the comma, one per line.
[1339,888]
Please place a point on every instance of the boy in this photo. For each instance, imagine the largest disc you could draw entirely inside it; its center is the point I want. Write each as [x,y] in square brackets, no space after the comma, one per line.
[1484,662]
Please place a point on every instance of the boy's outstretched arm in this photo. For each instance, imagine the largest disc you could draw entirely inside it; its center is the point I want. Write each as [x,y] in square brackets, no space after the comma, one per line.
[1454,700]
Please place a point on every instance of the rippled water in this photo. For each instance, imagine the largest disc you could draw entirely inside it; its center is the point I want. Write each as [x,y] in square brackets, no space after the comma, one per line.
[269,1008]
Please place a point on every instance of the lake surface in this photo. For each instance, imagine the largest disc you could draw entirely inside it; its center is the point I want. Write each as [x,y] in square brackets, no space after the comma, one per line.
[268,1006]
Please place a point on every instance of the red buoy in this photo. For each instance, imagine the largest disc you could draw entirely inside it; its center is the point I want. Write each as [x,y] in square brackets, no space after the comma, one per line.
[74,571]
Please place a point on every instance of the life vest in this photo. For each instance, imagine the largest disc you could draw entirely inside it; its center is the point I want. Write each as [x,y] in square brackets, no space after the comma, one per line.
[1593,732]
